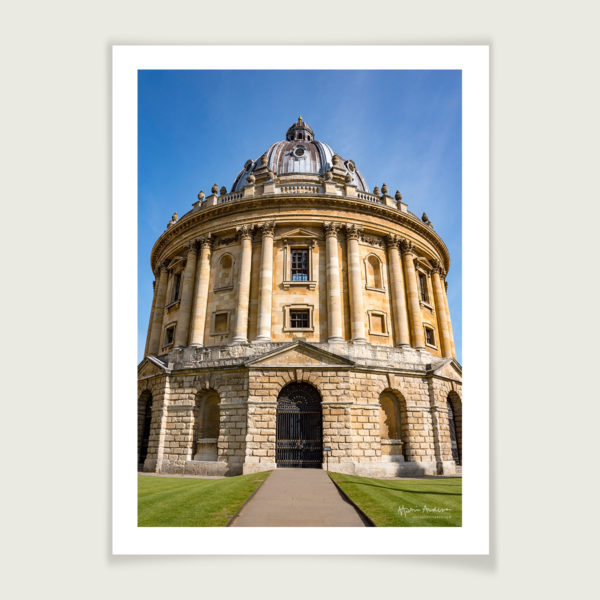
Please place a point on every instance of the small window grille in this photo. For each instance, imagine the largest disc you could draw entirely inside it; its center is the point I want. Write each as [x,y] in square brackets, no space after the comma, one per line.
[299,319]
[169,335]
[299,265]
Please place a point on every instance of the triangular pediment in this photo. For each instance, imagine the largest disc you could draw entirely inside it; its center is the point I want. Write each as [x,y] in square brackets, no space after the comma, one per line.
[298,234]
[300,354]
[151,366]
[450,368]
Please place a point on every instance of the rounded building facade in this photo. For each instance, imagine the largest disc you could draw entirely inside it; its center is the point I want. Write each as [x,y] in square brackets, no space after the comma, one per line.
[300,320]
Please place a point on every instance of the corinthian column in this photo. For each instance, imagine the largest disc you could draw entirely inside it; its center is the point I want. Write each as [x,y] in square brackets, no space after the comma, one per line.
[414,307]
[265,291]
[398,294]
[440,311]
[450,333]
[357,311]
[334,298]
[187,290]
[158,310]
[198,323]
[240,333]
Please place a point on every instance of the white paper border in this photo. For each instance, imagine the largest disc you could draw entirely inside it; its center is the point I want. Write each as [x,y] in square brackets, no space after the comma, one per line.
[473,536]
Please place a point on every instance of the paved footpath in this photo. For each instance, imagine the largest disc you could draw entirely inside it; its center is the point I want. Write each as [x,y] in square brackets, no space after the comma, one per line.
[298,498]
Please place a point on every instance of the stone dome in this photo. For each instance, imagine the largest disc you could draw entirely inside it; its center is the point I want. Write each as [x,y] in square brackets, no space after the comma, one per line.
[299,154]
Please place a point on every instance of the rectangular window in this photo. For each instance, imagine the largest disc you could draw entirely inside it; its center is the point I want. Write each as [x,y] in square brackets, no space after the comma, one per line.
[169,335]
[176,287]
[299,264]
[429,336]
[221,322]
[299,319]
[423,287]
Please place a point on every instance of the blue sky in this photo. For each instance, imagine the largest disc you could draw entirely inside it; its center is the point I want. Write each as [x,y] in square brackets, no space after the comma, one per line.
[196,128]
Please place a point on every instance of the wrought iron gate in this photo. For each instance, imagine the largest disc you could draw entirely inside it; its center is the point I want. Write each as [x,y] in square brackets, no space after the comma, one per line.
[299,427]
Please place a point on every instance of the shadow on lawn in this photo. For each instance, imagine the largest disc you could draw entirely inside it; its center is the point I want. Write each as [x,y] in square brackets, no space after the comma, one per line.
[394,489]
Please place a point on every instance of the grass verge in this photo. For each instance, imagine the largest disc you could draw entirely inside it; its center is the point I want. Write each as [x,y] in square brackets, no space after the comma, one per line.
[185,502]
[405,502]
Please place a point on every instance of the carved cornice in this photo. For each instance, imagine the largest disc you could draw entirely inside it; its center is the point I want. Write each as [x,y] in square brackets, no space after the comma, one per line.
[194,220]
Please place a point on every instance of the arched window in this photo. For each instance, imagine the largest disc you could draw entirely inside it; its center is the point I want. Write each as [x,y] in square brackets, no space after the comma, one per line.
[225,272]
[374,272]
[207,415]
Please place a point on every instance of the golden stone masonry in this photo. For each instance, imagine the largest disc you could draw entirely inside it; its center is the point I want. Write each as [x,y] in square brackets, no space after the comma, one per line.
[300,320]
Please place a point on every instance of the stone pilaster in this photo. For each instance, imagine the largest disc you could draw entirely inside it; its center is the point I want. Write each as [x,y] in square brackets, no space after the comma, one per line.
[265,291]
[398,292]
[158,310]
[440,311]
[198,323]
[187,291]
[334,297]
[357,311]
[240,333]
[414,307]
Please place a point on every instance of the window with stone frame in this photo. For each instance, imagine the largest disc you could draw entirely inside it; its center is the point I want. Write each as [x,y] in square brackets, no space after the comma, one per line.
[299,319]
[429,336]
[423,291]
[169,335]
[300,266]
[176,290]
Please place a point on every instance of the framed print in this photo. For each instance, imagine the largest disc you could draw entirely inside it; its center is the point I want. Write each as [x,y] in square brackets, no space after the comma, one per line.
[300,272]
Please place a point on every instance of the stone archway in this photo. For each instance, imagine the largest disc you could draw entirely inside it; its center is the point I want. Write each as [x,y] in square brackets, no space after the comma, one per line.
[454,406]
[144,423]
[299,435]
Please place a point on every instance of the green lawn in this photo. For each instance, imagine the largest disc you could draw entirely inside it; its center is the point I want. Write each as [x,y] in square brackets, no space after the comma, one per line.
[185,502]
[407,502]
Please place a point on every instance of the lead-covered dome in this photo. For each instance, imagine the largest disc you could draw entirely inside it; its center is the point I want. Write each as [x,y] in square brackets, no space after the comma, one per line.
[300,154]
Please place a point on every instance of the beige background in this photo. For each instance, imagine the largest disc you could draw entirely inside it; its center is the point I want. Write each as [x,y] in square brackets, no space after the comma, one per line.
[56,297]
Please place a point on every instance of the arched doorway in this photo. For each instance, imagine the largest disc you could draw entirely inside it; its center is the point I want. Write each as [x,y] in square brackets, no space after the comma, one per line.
[299,427]
[454,407]
[144,422]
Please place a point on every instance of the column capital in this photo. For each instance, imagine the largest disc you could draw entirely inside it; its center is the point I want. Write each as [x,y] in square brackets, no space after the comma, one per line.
[245,231]
[331,228]
[205,241]
[267,229]
[164,265]
[352,231]
[436,267]
[392,240]
[191,246]
[406,246]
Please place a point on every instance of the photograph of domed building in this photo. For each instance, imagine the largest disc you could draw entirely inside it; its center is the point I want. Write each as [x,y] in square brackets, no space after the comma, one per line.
[300,319]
